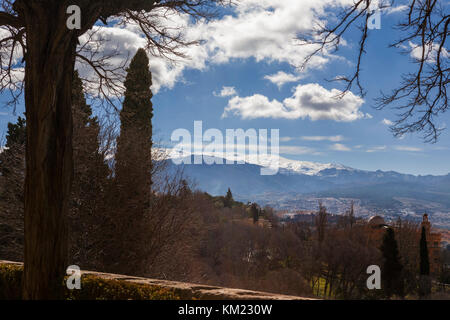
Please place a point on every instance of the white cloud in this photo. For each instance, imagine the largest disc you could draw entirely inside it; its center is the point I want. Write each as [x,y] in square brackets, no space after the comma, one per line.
[308,101]
[395,9]
[261,29]
[286,139]
[387,122]
[282,78]
[122,42]
[340,147]
[323,138]
[408,149]
[226,92]
[266,29]
[256,106]
[376,149]
[298,150]
[430,53]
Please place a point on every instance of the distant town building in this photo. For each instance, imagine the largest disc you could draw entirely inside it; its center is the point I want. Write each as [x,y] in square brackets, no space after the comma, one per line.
[433,244]
[376,222]
[377,227]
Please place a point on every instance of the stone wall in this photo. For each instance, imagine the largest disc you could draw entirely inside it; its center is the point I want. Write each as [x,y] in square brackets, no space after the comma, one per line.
[190,291]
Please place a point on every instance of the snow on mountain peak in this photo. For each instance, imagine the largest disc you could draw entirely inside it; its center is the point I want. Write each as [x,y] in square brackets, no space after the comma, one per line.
[286,166]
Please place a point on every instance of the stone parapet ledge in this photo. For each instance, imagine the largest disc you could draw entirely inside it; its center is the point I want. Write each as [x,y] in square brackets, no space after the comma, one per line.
[189,291]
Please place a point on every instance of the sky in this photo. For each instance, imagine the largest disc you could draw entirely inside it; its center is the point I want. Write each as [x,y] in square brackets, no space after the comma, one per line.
[245,74]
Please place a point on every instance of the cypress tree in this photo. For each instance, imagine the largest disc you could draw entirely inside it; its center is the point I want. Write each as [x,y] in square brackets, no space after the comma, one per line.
[133,156]
[12,173]
[87,201]
[133,166]
[424,280]
[424,260]
[17,133]
[392,268]
[228,203]
[254,211]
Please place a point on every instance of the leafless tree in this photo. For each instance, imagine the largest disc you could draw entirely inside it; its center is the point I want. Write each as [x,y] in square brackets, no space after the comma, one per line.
[423,34]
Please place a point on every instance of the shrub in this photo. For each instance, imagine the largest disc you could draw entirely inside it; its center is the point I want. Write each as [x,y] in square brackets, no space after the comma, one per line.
[10,281]
[92,288]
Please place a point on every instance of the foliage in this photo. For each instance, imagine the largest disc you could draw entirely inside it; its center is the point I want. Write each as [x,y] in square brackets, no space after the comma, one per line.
[131,203]
[17,133]
[392,268]
[255,212]
[424,259]
[12,173]
[228,202]
[92,288]
[90,183]
[10,282]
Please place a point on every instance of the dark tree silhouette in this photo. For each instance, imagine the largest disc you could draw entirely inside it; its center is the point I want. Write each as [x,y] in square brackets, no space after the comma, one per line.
[424,259]
[12,169]
[321,222]
[87,205]
[133,164]
[133,156]
[228,203]
[423,34]
[424,281]
[38,30]
[254,211]
[391,272]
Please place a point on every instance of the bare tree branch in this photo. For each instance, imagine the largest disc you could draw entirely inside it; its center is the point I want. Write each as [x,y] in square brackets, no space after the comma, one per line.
[422,94]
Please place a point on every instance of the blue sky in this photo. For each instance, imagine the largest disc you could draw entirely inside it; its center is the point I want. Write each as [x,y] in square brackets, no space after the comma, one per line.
[356,135]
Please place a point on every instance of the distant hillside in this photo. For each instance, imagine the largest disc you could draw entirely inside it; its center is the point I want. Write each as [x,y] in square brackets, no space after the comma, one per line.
[391,193]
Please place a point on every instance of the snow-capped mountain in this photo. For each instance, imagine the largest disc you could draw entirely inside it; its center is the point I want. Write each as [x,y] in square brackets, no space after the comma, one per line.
[288,166]
[299,180]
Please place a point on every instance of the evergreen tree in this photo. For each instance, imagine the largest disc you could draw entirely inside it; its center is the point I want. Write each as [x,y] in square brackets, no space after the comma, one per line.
[133,156]
[321,222]
[133,166]
[254,211]
[12,173]
[88,186]
[17,133]
[228,203]
[424,281]
[392,268]
[87,205]
[424,260]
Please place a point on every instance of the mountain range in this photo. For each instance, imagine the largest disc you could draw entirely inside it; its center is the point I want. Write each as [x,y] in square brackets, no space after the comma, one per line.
[299,185]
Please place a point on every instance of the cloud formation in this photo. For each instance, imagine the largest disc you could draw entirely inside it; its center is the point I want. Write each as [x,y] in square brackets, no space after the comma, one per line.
[308,101]
[281,78]
[376,149]
[261,29]
[340,147]
[298,150]
[408,149]
[323,138]
[226,92]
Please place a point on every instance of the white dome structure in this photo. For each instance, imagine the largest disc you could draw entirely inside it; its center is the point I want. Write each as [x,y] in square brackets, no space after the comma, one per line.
[376,221]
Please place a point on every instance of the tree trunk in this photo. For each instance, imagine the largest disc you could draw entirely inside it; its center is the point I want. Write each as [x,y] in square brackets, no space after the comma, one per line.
[49,69]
